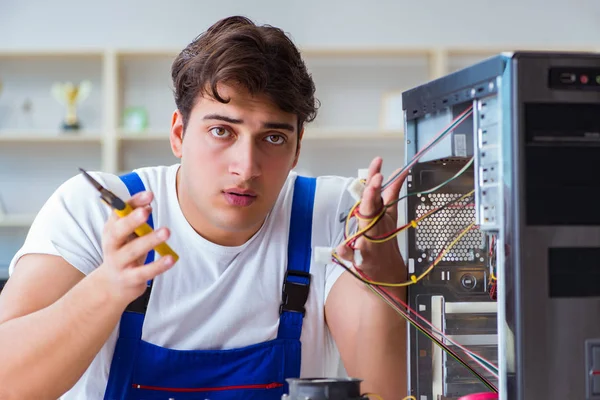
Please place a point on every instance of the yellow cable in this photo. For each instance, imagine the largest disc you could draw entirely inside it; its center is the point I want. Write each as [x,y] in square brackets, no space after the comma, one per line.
[381,398]
[411,224]
[413,278]
[374,220]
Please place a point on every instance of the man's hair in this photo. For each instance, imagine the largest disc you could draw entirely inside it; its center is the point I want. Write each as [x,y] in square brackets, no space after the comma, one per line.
[260,58]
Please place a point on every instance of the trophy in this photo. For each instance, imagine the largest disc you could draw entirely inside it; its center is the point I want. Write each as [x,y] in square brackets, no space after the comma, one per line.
[70,96]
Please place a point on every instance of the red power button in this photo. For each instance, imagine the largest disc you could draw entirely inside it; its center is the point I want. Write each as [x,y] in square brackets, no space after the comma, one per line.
[480,396]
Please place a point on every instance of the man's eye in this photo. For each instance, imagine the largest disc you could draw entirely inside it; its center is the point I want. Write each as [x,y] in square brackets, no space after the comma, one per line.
[276,139]
[220,132]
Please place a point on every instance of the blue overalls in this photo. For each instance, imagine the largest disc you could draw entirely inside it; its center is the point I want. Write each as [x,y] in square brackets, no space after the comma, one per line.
[141,370]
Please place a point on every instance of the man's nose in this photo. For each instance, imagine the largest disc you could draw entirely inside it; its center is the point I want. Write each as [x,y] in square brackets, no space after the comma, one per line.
[245,159]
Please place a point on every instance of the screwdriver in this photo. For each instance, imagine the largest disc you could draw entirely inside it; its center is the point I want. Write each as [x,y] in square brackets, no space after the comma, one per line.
[122,209]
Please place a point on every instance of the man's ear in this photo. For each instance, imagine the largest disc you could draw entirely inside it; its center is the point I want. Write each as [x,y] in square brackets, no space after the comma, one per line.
[300,135]
[176,136]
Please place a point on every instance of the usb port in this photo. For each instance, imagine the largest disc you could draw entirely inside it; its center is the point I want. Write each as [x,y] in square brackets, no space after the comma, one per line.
[488,174]
[489,214]
[567,77]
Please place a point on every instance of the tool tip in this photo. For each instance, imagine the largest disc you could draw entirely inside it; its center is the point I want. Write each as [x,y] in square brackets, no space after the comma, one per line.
[89,178]
[84,172]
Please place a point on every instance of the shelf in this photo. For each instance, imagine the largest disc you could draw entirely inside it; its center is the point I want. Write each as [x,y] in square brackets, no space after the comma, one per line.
[26,137]
[364,52]
[141,52]
[305,51]
[77,53]
[145,136]
[16,220]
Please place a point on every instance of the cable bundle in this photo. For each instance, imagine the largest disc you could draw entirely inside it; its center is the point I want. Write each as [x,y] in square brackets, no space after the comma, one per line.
[424,326]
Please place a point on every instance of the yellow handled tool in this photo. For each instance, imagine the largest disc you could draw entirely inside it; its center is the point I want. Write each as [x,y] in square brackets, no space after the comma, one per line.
[123,209]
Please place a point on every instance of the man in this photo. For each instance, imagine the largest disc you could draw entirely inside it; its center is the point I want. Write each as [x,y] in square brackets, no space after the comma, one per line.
[74,318]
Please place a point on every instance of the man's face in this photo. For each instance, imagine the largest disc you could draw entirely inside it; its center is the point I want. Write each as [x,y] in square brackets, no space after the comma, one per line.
[235,159]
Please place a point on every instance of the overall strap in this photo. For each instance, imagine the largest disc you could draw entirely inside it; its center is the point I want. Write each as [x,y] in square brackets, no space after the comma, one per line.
[135,185]
[296,285]
[132,321]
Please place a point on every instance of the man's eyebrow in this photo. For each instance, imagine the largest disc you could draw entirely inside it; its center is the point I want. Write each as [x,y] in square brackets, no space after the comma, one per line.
[266,125]
[279,125]
[223,118]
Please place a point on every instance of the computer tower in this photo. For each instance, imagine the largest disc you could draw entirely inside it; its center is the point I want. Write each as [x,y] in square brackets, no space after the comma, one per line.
[522,287]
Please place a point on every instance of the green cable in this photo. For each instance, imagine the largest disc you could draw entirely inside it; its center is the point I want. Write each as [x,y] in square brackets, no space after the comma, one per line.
[459,173]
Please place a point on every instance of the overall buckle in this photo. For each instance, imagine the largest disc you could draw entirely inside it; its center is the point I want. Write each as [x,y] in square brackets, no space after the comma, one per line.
[295,294]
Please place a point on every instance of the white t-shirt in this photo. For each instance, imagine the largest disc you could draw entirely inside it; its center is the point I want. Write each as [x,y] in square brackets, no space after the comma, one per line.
[215,297]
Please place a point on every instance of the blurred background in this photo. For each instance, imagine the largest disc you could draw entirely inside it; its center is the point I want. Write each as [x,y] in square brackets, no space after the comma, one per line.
[115,114]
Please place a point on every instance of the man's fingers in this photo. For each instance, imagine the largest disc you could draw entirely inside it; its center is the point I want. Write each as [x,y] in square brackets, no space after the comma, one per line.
[118,232]
[138,248]
[392,192]
[141,199]
[147,272]
[374,168]
[345,252]
[371,202]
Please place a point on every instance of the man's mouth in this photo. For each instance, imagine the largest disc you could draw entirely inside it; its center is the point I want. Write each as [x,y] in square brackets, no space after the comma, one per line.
[240,193]
[240,198]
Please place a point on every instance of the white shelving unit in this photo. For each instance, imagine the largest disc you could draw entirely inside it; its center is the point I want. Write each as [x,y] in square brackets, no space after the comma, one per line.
[36,157]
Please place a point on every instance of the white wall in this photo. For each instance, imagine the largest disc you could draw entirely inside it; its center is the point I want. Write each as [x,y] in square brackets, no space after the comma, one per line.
[155,23]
